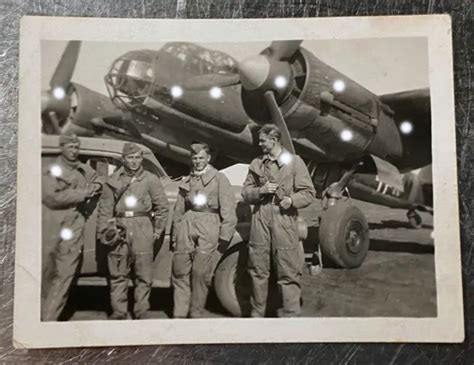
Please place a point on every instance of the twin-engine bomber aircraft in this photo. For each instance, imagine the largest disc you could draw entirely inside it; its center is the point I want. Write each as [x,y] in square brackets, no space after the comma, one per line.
[356,144]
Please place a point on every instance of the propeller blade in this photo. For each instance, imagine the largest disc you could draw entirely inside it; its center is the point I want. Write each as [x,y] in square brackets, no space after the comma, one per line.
[53,124]
[208,81]
[281,50]
[279,121]
[65,68]
[45,100]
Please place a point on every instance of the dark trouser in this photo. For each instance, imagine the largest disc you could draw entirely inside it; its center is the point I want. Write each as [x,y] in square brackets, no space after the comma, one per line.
[62,268]
[274,237]
[137,255]
[194,262]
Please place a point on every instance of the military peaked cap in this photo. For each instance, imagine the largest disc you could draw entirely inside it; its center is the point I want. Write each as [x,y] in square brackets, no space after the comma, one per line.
[198,147]
[129,148]
[68,138]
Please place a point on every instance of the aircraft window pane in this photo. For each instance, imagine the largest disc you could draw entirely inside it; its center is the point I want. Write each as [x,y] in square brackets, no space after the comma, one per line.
[122,67]
[116,67]
[140,70]
[202,60]
[206,56]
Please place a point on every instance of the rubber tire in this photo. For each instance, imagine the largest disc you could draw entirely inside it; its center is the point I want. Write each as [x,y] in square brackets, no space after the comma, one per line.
[234,291]
[225,286]
[334,222]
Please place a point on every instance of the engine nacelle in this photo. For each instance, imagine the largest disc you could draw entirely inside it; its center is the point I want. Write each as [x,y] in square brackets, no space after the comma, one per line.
[87,105]
[329,113]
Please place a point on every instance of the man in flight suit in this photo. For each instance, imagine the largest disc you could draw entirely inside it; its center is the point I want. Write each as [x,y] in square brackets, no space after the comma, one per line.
[278,183]
[134,199]
[68,191]
[203,224]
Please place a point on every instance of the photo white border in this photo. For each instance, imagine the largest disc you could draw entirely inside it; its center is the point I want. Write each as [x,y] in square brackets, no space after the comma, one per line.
[30,332]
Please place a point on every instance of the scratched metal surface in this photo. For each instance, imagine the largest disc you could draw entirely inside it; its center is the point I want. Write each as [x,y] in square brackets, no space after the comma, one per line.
[10,13]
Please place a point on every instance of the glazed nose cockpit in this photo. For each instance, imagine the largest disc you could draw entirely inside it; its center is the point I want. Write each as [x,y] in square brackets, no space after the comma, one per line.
[131,78]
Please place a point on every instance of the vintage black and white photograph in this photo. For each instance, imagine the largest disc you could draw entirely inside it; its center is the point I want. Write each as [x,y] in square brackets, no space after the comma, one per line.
[277,178]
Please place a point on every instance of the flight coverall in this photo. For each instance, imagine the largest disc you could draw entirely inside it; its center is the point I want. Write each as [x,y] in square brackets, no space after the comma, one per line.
[204,215]
[140,204]
[65,210]
[273,234]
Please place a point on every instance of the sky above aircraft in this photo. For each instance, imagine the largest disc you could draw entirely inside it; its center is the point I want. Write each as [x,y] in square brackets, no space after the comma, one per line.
[382,65]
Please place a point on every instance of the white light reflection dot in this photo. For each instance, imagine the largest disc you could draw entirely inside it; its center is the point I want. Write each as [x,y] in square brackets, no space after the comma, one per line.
[215,92]
[66,234]
[346,135]
[130,201]
[281,82]
[176,91]
[339,86]
[149,72]
[59,93]
[406,127]
[285,158]
[199,200]
[56,170]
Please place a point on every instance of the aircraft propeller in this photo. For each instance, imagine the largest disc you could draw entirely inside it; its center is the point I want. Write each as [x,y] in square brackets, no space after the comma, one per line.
[282,50]
[55,102]
[279,121]
[268,72]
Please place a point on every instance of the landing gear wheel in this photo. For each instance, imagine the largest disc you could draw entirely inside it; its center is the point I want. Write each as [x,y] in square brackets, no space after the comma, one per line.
[414,219]
[232,281]
[233,285]
[344,235]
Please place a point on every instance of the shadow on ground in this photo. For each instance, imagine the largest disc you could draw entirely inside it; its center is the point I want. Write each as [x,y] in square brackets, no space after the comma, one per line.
[393,224]
[408,247]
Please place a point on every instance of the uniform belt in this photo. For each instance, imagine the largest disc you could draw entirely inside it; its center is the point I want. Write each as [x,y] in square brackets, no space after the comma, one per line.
[204,210]
[131,214]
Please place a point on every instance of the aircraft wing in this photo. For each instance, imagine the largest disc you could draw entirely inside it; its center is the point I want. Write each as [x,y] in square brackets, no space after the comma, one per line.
[410,102]
[413,107]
